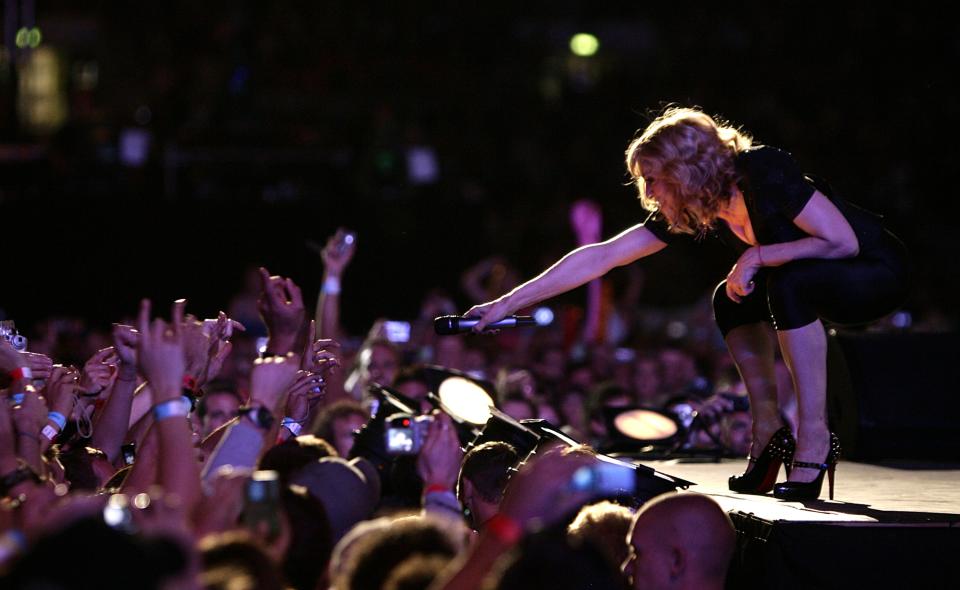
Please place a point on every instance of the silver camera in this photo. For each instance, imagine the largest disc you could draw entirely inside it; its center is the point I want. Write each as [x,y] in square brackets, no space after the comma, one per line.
[405,433]
[9,332]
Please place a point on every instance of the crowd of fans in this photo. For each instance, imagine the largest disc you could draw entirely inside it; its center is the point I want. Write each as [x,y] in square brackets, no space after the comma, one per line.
[224,453]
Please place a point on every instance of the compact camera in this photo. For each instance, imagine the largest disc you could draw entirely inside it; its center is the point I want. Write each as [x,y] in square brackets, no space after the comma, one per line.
[405,433]
[9,332]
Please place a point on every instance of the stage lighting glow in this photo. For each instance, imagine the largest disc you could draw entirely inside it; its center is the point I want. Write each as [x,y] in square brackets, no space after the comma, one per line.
[584,44]
[22,38]
[645,425]
[465,400]
[34,38]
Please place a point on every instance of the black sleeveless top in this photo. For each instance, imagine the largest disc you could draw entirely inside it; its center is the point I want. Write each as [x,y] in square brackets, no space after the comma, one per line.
[775,192]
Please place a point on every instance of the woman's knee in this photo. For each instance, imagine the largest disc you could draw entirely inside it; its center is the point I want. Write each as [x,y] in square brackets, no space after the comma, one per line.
[730,314]
[789,296]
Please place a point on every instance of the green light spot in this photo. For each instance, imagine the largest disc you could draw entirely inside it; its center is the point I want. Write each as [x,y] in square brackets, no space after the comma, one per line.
[584,44]
[23,36]
[34,38]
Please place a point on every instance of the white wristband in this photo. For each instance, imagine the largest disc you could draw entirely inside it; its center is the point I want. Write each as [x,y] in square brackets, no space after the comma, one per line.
[49,432]
[292,425]
[170,408]
[331,286]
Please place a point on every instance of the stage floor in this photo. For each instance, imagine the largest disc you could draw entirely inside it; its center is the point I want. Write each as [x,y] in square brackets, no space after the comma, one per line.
[865,494]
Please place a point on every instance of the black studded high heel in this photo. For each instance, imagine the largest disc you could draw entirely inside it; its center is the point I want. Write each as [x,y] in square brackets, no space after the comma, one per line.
[800,490]
[761,478]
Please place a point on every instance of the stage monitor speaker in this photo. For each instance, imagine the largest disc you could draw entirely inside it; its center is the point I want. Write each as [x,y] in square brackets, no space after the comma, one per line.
[894,395]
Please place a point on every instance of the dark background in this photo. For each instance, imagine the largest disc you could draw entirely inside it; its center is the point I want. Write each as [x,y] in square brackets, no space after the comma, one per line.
[273,123]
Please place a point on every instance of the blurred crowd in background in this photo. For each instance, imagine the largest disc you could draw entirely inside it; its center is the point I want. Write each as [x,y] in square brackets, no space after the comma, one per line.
[442,137]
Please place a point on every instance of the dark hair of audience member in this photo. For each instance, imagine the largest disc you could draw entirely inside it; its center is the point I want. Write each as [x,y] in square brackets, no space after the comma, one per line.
[77,549]
[375,555]
[310,539]
[292,454]
[608,391]
[416,573]
[234,560]
[217,387]
[516,398]
[487,466]
[323,427]
[411,373]
[549,559]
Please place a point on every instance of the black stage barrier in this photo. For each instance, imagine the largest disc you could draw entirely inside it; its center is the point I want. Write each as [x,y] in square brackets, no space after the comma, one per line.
[894,395]
[807,555]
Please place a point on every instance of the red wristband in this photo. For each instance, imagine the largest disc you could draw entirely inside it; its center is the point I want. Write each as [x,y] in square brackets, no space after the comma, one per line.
[21,373]
[435,487]
[190,383]
[505,529]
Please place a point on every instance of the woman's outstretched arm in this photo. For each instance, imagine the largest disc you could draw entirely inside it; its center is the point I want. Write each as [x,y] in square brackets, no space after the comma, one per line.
[574,269]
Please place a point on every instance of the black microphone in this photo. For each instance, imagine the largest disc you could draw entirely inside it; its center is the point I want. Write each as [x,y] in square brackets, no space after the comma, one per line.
[447,325]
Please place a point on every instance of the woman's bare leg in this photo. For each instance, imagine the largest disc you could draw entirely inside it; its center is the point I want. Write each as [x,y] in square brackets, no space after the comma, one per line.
[752,347]
[805,352]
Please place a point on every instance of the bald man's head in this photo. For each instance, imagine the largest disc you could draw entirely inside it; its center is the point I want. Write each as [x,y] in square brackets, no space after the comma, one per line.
[680,541]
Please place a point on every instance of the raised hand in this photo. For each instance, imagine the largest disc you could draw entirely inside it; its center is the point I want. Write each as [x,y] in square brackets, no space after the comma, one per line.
[338,252]
[321,355]
[221,327]
[220,330]
[125,345]
[220,509]
[99,371]
[8,438]
[40,364]
[270,379]
[586,219]
[196,347]
[160,352]
[61,389]
[10,358]
[439,460]
[304,389]
[281,305]
[30,416]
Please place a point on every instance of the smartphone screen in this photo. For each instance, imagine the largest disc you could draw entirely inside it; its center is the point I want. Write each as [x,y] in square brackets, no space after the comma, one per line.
[605,478]
[262,502]
[129,453]
[397,331]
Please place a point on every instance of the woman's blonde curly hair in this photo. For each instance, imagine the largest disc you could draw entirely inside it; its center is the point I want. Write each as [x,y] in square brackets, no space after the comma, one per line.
[693,155]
